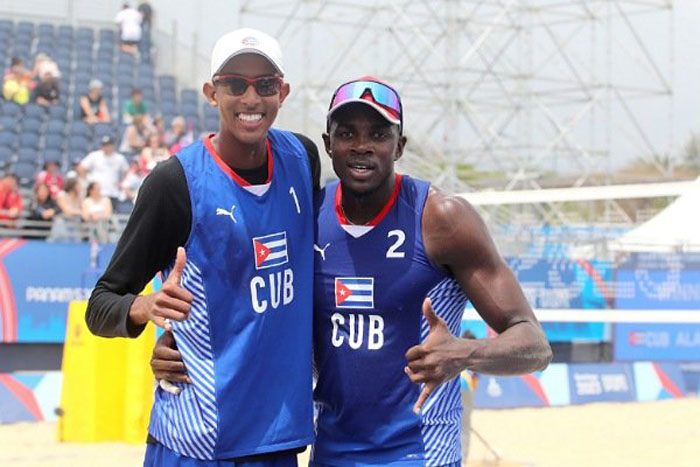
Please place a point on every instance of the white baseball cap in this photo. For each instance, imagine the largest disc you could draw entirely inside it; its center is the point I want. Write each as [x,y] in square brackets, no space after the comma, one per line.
[246,41]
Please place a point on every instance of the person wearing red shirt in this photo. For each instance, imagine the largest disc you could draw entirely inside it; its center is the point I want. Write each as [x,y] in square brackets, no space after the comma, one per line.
[10,198]
[51,177]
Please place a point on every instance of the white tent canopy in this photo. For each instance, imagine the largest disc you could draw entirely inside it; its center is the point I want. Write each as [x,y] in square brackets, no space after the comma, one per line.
[676,228]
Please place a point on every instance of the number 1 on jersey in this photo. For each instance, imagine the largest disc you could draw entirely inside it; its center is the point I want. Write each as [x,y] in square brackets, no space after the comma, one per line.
[296,200]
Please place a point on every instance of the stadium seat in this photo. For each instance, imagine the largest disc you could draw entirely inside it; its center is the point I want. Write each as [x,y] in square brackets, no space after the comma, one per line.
[102,129]
[76,155]
[85,32]
[107,34]
[80,128]
[12,109]
[209,111]
[34,110]
[28,155]
[9,139]
[189,96]
[25,27]
[54,141]
[78,142]
[211,124]
[25,172]
[65,30]
[28,140]
[51,155]
[6,156]
[167,107]
[56,127]
[46,29]
[58,112]
[6,25]
[31,126]
[8,123]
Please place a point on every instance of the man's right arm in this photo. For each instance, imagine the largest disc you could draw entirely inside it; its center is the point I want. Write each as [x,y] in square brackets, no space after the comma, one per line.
[159,224]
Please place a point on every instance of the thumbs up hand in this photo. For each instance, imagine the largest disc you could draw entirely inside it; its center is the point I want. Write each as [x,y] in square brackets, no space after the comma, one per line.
[171,302]
[440,358]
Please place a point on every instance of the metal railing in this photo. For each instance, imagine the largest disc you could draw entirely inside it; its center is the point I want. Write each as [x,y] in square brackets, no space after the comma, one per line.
[65,229]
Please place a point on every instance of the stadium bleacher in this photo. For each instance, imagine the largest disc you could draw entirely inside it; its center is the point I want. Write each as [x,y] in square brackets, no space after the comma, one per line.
[32,134]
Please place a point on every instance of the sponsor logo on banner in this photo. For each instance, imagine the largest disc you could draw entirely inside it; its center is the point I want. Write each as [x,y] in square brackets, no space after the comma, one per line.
[270,250]
[354,292]
[672,342]
[596,383]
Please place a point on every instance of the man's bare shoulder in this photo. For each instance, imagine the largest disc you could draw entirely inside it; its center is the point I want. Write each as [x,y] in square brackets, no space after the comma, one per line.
[452,228]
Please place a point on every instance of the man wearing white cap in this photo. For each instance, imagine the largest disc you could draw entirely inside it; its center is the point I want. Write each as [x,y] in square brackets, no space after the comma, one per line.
[238,295]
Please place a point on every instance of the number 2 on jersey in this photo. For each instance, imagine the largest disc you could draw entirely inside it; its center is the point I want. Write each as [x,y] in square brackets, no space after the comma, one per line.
[296,200]
[400,238]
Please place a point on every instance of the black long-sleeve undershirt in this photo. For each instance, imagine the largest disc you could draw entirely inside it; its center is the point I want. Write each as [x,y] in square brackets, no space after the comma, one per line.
[160,222]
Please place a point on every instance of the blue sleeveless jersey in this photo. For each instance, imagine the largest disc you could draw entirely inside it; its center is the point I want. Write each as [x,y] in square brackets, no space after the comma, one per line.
[368,299]
[247,340]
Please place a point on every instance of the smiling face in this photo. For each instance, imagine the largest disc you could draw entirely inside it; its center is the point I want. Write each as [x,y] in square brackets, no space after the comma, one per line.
[363,146]
[246,117]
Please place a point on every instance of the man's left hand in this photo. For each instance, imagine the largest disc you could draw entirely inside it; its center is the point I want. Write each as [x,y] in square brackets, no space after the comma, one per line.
[441,357]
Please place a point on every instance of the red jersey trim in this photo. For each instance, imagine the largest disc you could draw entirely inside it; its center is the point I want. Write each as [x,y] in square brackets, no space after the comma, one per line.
[381,215]
[228,170]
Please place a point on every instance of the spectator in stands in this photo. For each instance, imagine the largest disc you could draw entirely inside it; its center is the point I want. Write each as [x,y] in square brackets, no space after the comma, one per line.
[146,24]
[51,177]
[66,226]
[17,82]
[97,209]
[132,181]
[129,21]
[44,64]
[106,167]
[134,106]
[93,105]
[43,209]
[46,92]
[10,200]
[146,16]
[152,154]
[177,137]
[158,127]
[135,136]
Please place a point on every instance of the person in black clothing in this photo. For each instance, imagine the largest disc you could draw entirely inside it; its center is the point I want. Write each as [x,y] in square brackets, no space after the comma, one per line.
[43,210]
[47,91]
[248,88]
[93,106]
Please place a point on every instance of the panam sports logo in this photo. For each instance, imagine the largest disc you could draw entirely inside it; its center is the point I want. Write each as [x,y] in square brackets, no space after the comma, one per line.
[354,292]
[270,250]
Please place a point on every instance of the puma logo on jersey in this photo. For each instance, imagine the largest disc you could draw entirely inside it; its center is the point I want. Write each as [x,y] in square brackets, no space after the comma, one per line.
[224,212]
[322,250]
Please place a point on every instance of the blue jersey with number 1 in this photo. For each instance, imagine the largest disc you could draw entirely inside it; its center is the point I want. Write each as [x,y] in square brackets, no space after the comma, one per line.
[369,286]
[247,340]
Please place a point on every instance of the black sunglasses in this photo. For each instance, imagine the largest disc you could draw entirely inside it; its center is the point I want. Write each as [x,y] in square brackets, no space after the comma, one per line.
[237,85]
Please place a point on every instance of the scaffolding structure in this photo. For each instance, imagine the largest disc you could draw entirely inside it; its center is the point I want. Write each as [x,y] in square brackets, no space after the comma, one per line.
[498,93]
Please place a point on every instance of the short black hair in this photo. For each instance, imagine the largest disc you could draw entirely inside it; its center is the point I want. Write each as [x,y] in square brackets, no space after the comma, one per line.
[16,61]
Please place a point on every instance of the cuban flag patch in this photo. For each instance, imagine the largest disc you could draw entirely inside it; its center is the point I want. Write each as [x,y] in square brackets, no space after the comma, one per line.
[354,292]
[270,250]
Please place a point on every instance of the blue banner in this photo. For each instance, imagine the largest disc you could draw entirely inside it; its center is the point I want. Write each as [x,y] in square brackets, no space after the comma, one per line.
[37,280]
[562,283]
[658,282]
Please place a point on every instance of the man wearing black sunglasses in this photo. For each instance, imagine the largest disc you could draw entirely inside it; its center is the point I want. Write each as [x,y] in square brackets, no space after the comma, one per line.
[238,295]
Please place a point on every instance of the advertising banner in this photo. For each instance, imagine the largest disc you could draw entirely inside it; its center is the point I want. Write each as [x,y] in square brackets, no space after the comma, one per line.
[37,281]
[658,282]
[562,283]
[610,382]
